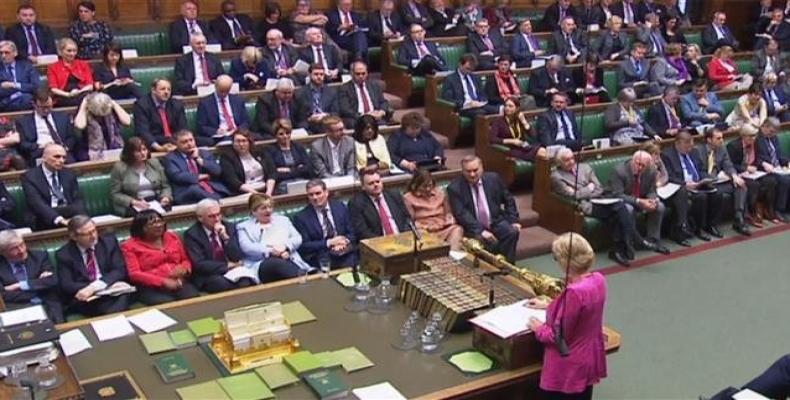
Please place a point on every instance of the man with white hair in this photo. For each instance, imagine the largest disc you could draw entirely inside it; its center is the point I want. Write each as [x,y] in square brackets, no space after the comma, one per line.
[221,114]
[318,52]
[18,80]
[279,104]
[51,191]
[213,247]
[27,277]
[280,56]
[196,68]
[183,28]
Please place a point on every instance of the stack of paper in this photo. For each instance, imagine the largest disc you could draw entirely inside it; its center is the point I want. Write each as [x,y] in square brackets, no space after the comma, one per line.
[302,362]
[23,315]
[112,328]
[247,386]
[506,321]
[329,359]
[152,320]
[202,391]
[379,391]
[183,338]
[204,328]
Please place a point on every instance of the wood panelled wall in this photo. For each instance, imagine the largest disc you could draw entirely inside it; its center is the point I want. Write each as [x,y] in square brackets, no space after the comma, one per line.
[59,13]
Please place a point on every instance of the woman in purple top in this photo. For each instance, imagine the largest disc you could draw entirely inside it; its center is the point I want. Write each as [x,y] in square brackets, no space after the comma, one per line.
[580,309]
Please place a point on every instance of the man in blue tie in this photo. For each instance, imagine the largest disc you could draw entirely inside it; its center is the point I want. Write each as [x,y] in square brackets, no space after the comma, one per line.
[18,80]
[633,71]
[650,32]
[717,35]
[465,90]
[557,126]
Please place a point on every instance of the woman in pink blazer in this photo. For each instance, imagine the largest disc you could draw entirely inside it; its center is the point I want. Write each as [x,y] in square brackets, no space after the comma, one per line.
[580,308]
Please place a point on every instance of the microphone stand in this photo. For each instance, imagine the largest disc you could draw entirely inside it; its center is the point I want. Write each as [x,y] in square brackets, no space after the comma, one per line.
[417,245]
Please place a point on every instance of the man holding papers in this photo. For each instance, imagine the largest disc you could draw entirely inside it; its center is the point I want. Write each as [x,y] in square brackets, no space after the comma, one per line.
[27,277]
[745,154]
[618,215]
[92,271]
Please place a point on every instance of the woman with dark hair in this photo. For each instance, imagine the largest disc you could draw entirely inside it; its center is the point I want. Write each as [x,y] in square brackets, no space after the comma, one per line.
[246,169]
[370,147]
[513,130]
[589,81]
[69,78]
[90,34]
[290,159]
[672,31]
[269,242]
[137,180]
[157,261]
[273,19]
[100,118]
[504,85]
[113,77]
[430,209]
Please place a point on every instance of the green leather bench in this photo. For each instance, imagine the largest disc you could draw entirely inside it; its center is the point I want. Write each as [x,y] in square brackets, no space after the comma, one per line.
[146,44]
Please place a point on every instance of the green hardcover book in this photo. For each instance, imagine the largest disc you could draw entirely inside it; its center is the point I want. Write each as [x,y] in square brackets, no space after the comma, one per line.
[296,313]
[326,384]
[302,362]
[247,386]
[157,342]
[328,359]
[183,338]
[204,328]
[352,359]
[277,375]
[202,391]
[174,368]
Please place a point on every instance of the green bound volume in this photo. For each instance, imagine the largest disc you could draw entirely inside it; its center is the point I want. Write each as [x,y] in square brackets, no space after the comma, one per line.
[174,368]
[247,386]
[302,362]
[352,359]
[203,391]
[276,375]
[204,328]
[157,342]
[327,384]
[183,338]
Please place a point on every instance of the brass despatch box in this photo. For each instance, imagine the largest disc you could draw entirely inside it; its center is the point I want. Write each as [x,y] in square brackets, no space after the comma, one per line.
[394,255]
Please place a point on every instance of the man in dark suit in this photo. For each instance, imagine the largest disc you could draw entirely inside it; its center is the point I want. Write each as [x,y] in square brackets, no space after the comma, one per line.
[27,277]
[773,158]
[495,221]
[32,38]
[771,59]
[776,28]
[318,99]
[377,212]
[552,78]
[446,20]
[18,80]
[221,114]
[634,181]
[51,192]
[568,42]
[524,46]
[43,127]
[745,155]
[486,45]
[716,161]
[589,13]
[557,126]
[280,57]
[628,11]
[663,116]
[194,174]
[385,24]
[233,30]
[361,96]
[649,7]
[326,228]
[318,52]
[634,70]
[649,32]
[89,263]
[420,56]
[348,29]
[333,155]
[555,13]
[466,91]
[196,68]
[213,248]
[279,104]
[189,24]
[776,99]
[158,116]
[717,35]
[685,168]
[414,12]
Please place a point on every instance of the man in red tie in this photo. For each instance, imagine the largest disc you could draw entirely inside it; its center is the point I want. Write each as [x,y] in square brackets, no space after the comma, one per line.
[194,174]
[220,115]
[317,52]
[159,116]
[361,96]
[420,56]
[377,212]
[196,68]
[349,30]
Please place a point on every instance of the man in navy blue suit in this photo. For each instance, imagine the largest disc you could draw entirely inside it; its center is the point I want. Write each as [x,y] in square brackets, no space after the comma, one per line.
[18,80]
[348,29]
[42,127]
[326,229]
[196,68]
[194,174]
[220,114]
[557,126]
[421,57]
[186,26]
[32,38]
[51,191]
[717,34]
[465,90]
[524,46]
[318,52]
[775,98]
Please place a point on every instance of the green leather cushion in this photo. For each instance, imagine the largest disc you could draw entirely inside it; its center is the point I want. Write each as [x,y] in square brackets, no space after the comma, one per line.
[146,75]
[604,167]
[694,37]
[146,44]
[728,105]
[592,126]
[452,54]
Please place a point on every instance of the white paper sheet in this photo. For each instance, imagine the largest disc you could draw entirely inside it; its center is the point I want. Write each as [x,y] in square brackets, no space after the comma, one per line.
[152,320]
[129,53]
[506,321]
[237,273]
[46,59]
[666,191]
[103,219]
[153,205]
[301,67]
[748,394]
[379,391]
[754,175]
[23,315]
[605,201]
[73,342]
[112,328]
[203,91]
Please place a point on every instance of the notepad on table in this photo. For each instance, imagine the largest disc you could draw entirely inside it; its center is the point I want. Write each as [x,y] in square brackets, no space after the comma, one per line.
[352,359]
[302,362]
[152,320]
[202,391]
[73,342]
[112,328]
[204,328]
[296,313]
[379,391]
[183,338]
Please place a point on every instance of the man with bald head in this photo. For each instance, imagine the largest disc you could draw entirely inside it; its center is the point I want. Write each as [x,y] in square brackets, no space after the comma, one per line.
[196,68]
[186,26]
[220,114]
[51,191]
[280,104]
[634,181]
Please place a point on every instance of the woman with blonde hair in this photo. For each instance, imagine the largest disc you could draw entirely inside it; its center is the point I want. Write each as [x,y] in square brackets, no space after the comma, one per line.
[249,70]
[100,118]
[70,78]
[724,73]
[574,359]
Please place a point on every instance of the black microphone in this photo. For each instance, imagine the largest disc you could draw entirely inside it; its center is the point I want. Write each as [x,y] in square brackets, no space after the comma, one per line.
[30,385]
[414,230]
[561,344]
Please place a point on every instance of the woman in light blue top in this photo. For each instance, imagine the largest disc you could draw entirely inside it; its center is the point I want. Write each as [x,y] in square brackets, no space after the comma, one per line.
[270,242]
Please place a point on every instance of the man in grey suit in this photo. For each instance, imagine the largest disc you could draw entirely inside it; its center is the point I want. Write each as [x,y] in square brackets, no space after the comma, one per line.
[770,59]
[634,181]
[619,216]
[334,154]
[634,70]
[319,98]
[716,161]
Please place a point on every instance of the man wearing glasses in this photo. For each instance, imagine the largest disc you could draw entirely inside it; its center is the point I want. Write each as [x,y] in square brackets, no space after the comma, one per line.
[486,45]
[420,56]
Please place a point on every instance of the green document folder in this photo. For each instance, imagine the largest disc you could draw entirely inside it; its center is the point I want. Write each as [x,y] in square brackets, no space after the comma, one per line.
[296,313]
[157,342]
[247,386]
[203,391]
[204,327]
[352,359]
[347,279]
[277,375]
[470,362]
[328,359]
[302,362]
[183,338]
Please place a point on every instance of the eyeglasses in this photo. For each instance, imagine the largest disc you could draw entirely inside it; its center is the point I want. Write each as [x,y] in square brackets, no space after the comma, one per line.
[155,222]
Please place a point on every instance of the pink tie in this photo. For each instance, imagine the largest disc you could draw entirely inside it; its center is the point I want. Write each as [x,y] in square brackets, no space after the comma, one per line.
[385,221]
[488,43]
[482,210]
[226,113]
[90,264]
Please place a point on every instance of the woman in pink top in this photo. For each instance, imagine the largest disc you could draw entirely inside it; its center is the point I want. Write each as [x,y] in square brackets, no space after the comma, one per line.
[580,308]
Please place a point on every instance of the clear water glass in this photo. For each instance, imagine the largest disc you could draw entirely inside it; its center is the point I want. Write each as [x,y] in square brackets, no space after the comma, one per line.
[46,373]
[325,263]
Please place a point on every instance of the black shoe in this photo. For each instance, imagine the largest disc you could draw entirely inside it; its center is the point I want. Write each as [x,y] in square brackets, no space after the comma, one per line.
[660,248]
[619,258]
[742,228]
[714,231]
[628,251]
[702,236]
[686,231]
[653,246]
[682,241]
